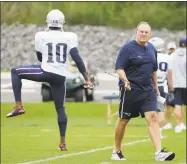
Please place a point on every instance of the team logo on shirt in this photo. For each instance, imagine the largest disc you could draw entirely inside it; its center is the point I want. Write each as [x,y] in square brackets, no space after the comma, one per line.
[139,57]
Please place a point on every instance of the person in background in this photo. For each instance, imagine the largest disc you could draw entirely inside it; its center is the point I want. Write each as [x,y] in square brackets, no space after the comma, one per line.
[171,47]
[164,76]
[179,84]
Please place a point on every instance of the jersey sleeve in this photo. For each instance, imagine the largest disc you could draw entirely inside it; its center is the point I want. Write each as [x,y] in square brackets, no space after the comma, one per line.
[37,41]
[73,41]
[122,60]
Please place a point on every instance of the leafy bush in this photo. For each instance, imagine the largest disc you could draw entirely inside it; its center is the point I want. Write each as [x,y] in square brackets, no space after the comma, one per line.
[170,15]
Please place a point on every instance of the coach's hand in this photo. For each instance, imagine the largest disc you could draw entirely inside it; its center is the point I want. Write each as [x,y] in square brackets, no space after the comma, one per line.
[88,84]
[157,92]
[127,85]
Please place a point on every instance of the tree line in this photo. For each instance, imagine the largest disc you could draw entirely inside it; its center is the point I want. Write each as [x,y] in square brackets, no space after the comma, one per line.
[126,15]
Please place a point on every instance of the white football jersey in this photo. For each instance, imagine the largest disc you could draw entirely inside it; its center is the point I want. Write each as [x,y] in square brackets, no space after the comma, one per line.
[179,68]
[55,46]
[164,63]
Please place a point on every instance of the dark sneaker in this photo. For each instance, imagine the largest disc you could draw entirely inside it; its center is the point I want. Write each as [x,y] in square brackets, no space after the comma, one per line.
[164,156]
[16,111]
[117,156]
[63,147]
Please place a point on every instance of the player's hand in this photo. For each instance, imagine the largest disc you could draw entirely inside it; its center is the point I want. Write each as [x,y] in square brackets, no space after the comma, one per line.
[170,96]
[127,85]
[88,84]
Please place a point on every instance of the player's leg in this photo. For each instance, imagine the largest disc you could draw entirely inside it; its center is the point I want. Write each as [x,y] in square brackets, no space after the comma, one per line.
[161,121]
[169,106]
[58,91]
[161,110]
[182,124]
[30,72]
[149,109]
[178,109]
[168,117]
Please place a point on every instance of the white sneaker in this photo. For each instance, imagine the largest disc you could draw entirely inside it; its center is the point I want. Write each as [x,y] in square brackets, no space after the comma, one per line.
[178,129]
[164,156]
[182,125]
[168,126]
[117,156]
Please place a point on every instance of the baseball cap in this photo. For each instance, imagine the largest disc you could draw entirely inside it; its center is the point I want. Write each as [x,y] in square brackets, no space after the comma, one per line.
[171,45]
[182,42]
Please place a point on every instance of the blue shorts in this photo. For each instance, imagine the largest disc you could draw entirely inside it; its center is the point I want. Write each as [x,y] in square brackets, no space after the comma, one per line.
[180,96]
[135,102]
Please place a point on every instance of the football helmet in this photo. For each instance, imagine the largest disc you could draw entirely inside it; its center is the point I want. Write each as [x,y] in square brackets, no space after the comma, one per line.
[171,45]
[55,18]
[158,43]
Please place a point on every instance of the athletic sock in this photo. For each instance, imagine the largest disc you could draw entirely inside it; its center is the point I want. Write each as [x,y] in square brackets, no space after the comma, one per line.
[156,153]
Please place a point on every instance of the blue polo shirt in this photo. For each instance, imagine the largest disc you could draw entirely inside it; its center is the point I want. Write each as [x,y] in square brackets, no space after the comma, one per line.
[138,62]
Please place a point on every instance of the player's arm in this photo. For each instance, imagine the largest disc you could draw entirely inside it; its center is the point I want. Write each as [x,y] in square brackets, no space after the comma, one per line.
[37,47]
[73,44]
[79,62]
[170,80]
[39,56]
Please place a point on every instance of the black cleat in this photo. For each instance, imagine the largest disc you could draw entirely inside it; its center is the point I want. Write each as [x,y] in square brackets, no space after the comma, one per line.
[16,111]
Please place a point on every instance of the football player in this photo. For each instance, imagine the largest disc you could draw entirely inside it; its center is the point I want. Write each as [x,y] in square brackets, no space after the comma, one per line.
[53,49]
[179,84]
[164,75]
[171,47]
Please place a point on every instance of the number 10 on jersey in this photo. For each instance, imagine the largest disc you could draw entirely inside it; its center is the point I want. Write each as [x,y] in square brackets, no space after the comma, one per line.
[58,53]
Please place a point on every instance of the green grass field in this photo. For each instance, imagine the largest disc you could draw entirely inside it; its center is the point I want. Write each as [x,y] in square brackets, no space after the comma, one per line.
[34,137]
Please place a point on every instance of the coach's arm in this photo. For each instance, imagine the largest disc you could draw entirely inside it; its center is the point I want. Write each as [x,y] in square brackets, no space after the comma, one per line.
[155,83]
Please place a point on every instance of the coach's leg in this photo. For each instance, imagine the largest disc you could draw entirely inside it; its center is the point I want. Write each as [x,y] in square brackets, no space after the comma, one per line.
[153,129]
[58,93]
[161,121]
[119,133]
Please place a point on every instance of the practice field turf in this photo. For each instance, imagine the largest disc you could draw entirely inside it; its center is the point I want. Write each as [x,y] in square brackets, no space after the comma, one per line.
[34,137]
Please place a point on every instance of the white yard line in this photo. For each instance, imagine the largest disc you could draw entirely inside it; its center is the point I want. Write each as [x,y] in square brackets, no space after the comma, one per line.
[107,91]
[83,152]
[23,90]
